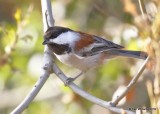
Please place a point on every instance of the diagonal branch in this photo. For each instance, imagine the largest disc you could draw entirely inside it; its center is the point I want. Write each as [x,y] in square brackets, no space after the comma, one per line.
[131,84]
[86,95]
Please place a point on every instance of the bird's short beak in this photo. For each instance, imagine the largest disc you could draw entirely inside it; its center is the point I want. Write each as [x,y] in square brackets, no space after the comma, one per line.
[45,42]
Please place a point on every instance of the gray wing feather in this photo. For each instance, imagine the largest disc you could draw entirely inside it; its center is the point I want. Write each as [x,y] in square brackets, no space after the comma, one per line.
[100,45]
[107,43]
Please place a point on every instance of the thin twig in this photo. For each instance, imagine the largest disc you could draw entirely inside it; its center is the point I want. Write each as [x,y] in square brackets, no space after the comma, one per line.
[48,19]
[131,84]
[46,15]
[142,8]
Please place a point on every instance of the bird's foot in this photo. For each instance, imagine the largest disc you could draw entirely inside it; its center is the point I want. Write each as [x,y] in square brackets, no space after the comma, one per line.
[68,81]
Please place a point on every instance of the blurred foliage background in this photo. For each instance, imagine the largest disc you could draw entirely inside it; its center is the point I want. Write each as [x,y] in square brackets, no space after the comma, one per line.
[21,54]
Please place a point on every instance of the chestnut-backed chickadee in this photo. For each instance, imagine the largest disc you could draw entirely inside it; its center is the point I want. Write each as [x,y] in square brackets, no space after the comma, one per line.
[82,50]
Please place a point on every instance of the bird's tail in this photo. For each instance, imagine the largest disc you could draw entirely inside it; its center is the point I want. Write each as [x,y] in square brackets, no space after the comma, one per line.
[127,53]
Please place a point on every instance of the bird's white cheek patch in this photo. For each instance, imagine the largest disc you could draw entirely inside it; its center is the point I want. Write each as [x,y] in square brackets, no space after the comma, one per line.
[66,38]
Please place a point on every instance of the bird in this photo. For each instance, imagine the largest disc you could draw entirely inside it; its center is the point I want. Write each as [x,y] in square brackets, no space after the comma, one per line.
[82,50]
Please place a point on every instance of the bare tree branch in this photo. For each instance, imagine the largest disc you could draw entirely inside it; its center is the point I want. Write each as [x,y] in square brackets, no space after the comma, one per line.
[131,84]
[86,95]
[46,6]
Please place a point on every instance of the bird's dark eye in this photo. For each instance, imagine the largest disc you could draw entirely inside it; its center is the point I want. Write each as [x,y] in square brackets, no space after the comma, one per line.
[54,35]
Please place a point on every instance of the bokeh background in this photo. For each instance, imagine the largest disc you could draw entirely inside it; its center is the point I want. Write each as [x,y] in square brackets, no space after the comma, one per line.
[21,55]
